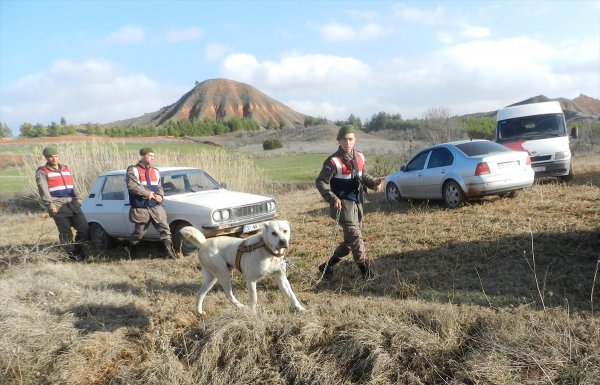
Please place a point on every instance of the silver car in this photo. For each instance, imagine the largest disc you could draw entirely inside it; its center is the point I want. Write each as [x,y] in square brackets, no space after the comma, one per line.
[192,197]
[458,171]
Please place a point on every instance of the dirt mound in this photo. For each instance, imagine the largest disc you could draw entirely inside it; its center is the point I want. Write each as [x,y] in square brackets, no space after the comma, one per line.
[221,99]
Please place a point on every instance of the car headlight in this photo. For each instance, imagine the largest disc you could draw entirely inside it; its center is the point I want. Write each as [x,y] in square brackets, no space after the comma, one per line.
[221,215]
[560,155]
[271,206]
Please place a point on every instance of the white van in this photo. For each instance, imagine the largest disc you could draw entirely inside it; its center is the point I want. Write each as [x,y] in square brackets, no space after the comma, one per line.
[541,130]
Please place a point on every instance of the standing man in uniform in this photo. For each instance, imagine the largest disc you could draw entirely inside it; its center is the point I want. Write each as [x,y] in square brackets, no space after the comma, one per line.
[62,199]
[146,197]
[341,183]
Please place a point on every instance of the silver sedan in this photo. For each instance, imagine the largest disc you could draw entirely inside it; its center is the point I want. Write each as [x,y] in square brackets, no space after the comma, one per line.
[457,171]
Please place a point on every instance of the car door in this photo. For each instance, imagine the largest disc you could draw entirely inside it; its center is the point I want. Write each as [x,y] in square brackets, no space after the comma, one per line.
[440,160]
[411,184]
[112,209]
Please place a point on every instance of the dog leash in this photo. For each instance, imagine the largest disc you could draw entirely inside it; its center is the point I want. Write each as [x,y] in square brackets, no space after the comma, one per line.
[333,245]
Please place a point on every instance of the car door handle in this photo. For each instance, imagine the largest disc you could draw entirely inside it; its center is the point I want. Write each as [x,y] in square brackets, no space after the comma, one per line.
[99,204]
[127,204]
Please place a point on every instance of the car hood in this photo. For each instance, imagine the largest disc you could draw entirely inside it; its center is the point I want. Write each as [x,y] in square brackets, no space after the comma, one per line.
[218,198]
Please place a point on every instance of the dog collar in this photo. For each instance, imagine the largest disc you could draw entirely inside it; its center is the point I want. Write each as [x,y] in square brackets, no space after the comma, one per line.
[244,248]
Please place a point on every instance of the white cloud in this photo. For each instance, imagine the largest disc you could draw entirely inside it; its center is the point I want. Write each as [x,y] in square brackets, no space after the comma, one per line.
[92,91]
[345,32]
[188,34]
[215,51]
[126,35]
[418,15]
[300,74]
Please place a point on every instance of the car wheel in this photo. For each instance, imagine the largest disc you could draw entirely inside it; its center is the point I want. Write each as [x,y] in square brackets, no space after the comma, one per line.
[569,176]
[393,194]
[453,195]
[100,238]
[180,244]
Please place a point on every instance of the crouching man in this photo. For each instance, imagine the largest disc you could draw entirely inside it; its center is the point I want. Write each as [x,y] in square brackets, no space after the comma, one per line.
[146,197]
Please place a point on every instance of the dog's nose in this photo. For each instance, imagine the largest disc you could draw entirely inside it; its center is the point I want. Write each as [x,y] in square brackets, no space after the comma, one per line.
[283,243]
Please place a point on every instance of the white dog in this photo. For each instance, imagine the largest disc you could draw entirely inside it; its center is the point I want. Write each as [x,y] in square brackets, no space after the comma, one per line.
[257,257]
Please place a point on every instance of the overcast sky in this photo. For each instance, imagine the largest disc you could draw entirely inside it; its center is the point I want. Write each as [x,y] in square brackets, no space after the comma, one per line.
[101,61]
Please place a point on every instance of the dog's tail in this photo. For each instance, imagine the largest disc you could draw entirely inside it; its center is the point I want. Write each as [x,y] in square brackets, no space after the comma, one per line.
[193,235]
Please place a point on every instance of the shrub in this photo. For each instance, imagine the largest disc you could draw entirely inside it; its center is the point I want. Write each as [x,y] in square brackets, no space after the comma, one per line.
[272,144]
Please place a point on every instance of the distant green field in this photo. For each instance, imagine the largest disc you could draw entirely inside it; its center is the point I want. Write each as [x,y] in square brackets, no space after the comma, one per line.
[292,168]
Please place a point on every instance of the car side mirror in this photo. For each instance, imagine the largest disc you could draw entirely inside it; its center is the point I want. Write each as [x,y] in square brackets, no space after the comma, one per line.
[574,132]
[223,184]
[402,168]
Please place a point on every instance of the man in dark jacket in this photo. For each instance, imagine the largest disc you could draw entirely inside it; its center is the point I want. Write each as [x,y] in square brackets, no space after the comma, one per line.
[62,199]
[146,197]
[341,183]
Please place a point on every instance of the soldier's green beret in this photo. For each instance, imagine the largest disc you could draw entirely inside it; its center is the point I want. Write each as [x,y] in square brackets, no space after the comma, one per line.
[49,151]
[145,151]
[345,130]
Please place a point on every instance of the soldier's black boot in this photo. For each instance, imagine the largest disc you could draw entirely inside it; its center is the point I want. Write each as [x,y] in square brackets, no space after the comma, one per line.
[170,249]
[365,270]
[326,269]
[78,251]
[132,249]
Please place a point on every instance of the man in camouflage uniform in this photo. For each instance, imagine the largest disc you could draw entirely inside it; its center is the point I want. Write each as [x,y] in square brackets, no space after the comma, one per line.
[341,183]
[62,200]
[146,197]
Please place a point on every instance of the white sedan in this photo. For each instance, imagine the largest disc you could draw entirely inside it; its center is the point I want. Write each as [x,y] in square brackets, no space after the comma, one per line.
[457,171]
[192,197]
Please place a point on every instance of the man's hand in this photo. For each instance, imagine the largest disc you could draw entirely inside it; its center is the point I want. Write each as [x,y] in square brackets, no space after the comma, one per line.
[158,198]
[378,184]
[52,211]
[337,204]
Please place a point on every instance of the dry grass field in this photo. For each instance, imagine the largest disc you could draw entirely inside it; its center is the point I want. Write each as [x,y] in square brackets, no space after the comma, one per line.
[500,291]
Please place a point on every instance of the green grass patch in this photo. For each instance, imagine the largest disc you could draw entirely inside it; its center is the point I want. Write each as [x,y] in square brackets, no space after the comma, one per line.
[293,168]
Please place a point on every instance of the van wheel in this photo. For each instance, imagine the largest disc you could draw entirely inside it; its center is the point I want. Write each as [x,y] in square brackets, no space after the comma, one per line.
[453,195]
[180,244]
[100,238]
[569,176]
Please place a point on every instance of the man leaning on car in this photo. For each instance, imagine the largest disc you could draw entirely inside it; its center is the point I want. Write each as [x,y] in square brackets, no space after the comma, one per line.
[146,197]
[62,199]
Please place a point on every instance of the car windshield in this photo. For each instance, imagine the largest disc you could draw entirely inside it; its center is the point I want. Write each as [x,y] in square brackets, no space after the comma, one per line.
[531,127]
[478,148]
[184,181]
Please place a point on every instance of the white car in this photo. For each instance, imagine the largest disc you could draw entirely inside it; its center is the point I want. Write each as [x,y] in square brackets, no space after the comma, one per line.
[458,171]
[192,197]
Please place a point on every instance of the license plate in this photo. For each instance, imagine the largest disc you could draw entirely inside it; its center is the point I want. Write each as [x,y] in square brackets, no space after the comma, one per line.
[508,164]
[539,168]
[251,227]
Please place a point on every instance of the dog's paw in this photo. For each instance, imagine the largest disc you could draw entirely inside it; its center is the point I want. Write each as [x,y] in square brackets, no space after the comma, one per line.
[299,309]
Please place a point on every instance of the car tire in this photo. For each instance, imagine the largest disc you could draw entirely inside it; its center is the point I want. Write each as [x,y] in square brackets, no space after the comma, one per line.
[569,177]
[99,238]
[392,194]
[453,195]
[180,244]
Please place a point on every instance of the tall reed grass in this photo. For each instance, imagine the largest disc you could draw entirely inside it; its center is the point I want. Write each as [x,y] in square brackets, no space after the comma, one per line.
[87,160]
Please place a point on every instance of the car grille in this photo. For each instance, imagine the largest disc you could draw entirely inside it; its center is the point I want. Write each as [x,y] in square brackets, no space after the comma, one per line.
[245,211]
[540,158]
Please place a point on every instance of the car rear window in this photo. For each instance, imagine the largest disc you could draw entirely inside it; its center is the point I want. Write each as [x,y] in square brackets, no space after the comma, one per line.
[481,148]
